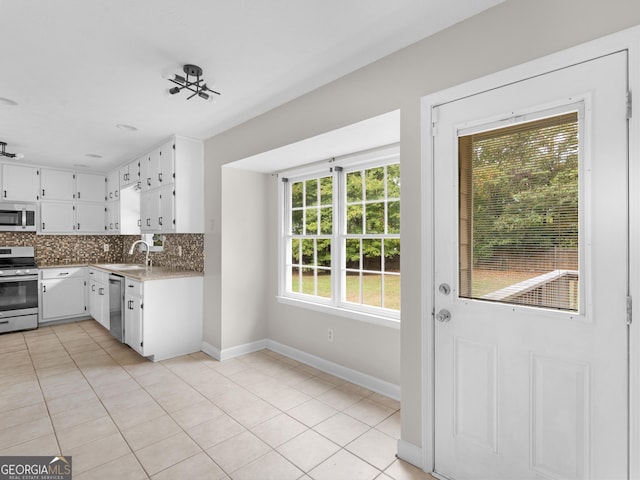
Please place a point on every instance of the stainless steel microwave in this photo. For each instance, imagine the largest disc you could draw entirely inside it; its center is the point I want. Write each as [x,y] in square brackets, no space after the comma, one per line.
[18,217]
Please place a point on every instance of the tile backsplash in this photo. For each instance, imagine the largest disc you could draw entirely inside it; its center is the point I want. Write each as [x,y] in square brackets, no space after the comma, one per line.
[85,249]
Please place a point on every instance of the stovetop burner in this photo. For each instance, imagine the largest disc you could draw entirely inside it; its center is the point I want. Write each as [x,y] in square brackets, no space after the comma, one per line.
[14,258]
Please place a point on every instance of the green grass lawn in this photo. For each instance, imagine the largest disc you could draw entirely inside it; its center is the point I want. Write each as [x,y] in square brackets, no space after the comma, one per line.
[371,289]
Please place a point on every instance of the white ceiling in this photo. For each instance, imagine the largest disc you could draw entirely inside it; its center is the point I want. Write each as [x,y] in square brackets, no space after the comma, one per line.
[77,68]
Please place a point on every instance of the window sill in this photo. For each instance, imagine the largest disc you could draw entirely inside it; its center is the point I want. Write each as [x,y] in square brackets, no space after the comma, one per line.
[342,312]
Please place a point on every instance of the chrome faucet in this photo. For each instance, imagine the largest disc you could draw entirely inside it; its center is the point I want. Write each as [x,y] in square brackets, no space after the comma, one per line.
[146,260]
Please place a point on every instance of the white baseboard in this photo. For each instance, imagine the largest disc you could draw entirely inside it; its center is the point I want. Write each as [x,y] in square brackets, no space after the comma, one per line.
[211,350]
[410,453]
[362,379]
[232,352]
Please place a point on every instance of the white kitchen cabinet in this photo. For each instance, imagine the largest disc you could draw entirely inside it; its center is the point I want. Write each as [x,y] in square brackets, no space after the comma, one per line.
[57,217]
[163,318]
[130,173]
[113,217]
[133,330]
[113,185]
[175,204]
[99,296]
[90,218]
[57,184]
[90,187]
[20,183]
[62,294]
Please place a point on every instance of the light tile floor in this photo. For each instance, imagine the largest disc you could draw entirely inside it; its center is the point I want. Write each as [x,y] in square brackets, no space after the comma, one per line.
[72,389]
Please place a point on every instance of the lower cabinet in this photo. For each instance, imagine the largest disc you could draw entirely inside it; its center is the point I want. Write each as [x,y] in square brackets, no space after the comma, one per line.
[99,296]
[163,318]
[62,293]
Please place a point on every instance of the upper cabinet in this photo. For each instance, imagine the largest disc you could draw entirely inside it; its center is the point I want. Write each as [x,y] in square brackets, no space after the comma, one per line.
[172,198]
[20,183]
[57,185]
[113,186]
[90,187]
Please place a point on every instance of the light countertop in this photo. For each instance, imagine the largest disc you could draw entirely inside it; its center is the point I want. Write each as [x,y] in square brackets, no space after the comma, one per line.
[141,274]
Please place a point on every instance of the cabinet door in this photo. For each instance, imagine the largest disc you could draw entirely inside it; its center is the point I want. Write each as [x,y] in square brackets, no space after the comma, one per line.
[113,217]
[94,300]
[113,185]
[20,183]
[62,298]
[56,185]
[90,218]
[165,155]
[57,217]
[145,172]
[150,211]
[166,219]
[133,323]
[90,187]
[154,169]
[124,176]
[134,171]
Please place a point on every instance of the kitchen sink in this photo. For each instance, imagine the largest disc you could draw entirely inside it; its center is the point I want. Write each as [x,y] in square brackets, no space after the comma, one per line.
[126,266]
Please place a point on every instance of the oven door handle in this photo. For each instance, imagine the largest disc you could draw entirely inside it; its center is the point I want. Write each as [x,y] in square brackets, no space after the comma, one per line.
[18,278]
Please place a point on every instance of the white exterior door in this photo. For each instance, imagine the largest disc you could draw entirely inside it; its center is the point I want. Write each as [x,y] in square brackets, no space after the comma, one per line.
[527,390]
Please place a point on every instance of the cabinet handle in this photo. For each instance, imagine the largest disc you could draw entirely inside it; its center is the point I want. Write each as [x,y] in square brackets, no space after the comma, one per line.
[78,195]
[43,225]
[117,225]
[42,193]
[93,288]
[101,291]
[111,226]
[78,226]
[44,289]
[4,322]
[149,182]
[159,220]
[116,192]
[160,177]
[110,194]
[5,194]
[139,222]
[129,305]
[148,222]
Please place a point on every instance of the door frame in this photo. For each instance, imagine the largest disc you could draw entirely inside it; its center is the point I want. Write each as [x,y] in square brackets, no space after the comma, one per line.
[628,40]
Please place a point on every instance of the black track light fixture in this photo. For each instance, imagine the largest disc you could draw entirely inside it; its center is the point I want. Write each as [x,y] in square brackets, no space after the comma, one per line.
[192,82]
[4,153]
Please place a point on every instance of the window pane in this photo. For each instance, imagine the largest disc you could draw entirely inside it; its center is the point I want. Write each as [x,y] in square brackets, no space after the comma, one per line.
[354,219]
[392,291]
[352,287]
[324,252]
[311,191]
[326,221]
[352,251]
[375,183]
[297,222]
[372,254]
[326,191]
[392,255]
[519,214]
[372,290]
[308,281]
[354,187]
[393,181]
[312,221]
[393,217]
[296,195]
[296,286]
[308,252]
[324,283]
[295,251]
[375,218]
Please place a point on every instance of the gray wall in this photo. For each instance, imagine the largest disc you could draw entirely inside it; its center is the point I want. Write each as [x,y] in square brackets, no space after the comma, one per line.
[509,34]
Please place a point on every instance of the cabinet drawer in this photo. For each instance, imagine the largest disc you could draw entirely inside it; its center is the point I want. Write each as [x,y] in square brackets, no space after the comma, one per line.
[98,275]
[51,273]
[133,287]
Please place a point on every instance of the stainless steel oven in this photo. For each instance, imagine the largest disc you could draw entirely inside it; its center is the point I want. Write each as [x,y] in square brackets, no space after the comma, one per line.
[18,289]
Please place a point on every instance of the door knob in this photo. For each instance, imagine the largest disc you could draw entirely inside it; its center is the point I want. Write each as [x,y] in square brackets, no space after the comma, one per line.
[443,316]
[444,289]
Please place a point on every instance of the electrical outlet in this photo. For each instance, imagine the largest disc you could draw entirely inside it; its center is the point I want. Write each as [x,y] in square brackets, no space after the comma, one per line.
[179,250]
[330,335]
[105,247]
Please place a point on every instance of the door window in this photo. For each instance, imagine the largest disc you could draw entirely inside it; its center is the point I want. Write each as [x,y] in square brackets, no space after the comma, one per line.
[518,213]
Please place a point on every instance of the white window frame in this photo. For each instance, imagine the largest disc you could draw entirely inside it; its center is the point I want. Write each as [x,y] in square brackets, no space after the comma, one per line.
[338,168]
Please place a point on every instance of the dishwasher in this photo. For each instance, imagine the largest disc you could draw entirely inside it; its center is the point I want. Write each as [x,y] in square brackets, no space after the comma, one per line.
[116,306]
